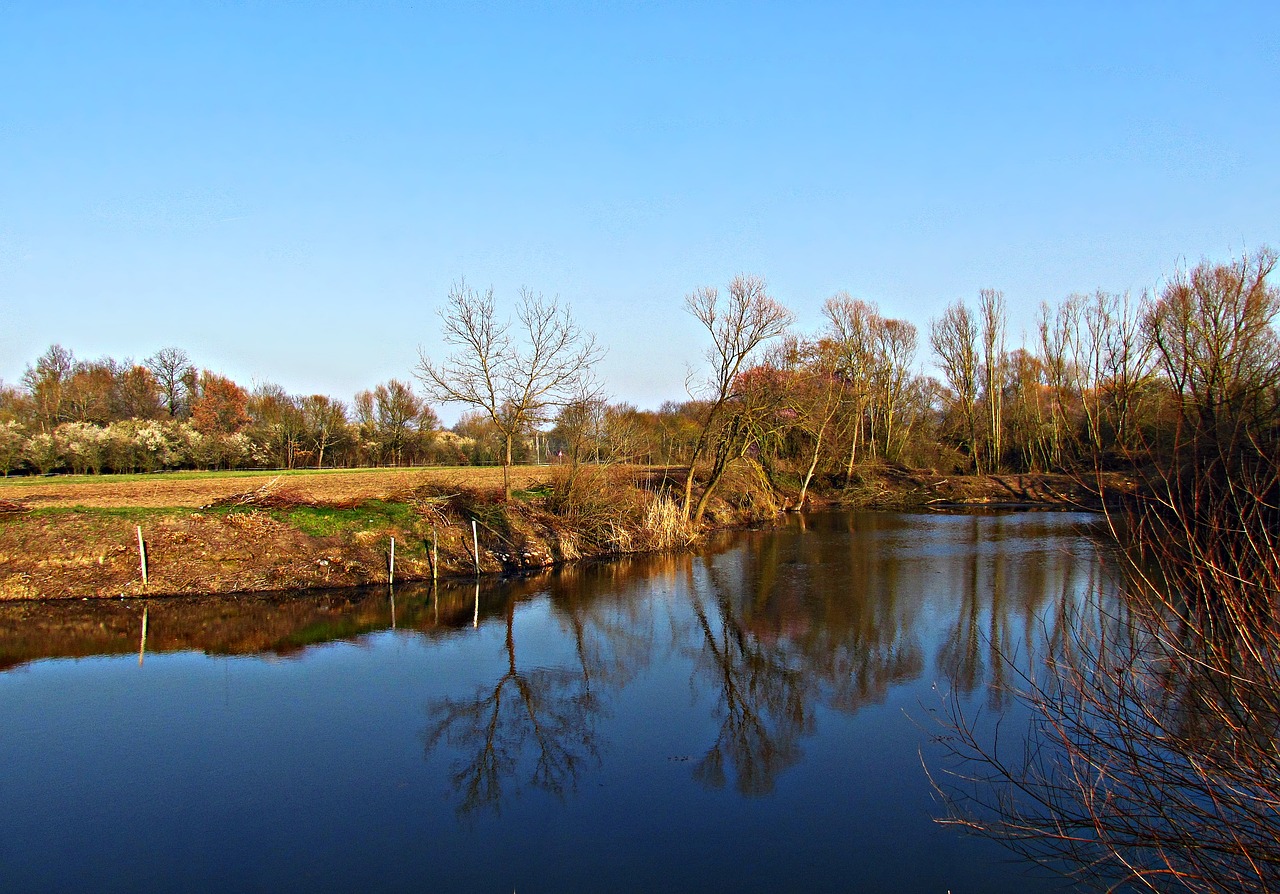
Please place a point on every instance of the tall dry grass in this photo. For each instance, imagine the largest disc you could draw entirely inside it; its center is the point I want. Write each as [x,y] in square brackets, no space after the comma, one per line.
[600,509]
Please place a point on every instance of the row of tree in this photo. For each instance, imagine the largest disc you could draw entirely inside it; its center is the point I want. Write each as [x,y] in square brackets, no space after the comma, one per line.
[1105,378]
[1186,381]
[92,416]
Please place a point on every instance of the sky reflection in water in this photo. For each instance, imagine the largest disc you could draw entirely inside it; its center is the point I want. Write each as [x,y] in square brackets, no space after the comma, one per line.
[748,719]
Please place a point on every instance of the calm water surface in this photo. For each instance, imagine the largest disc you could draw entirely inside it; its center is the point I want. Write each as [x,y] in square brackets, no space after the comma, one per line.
[753,718]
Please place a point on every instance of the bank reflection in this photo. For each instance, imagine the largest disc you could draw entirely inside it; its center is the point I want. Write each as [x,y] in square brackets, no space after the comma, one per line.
[278,625]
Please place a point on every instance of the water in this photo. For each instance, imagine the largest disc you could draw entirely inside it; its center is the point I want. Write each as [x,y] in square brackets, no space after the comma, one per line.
[752,718]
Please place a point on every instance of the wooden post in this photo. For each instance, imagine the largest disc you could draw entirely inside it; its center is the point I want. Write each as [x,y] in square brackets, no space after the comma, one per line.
[475,541]
[391,563]
[142,557]
[435,555]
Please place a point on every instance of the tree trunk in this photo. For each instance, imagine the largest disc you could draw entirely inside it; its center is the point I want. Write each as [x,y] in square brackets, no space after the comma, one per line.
[724,450]
[506,468]
[853,455]
[808,476]
[688,492]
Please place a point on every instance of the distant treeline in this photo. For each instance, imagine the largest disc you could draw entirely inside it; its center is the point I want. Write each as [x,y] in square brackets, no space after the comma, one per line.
[1106,380]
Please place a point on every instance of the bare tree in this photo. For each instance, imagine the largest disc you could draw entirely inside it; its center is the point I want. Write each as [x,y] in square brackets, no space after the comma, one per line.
[746,318]
[46,383]
[1109,363]
[580,427]
[1055,348]
[325,422]
[893,382]
[1213,333]
[1128,364]
[15,406]
[628,433]
[277,423]
[992,311]
[812,395]
[87,396]
[1027,411]
[955,340]
[136,394]
[175,376]
[851,330]
[517,379]
[394,420]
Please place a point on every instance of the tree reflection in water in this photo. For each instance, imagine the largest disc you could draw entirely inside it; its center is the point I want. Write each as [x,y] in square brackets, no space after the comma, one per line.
[983,647]
[747,665]
[779,636]
[777,630]
[835,622]
[537,727]
[762,700]
[548,712]
[1151,759]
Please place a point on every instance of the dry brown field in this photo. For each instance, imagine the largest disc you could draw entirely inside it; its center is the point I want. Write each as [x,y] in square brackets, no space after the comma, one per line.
[65,537]
[188,490]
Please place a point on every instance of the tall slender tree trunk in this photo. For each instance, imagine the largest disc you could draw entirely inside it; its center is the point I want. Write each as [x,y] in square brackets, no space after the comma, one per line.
[506,466]
[808,476]
[853,449]
[688,490]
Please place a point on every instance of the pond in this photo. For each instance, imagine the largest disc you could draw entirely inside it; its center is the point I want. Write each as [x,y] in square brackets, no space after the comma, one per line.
[754,717]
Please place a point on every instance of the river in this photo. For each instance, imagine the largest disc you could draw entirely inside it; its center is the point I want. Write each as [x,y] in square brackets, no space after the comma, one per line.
[758,716]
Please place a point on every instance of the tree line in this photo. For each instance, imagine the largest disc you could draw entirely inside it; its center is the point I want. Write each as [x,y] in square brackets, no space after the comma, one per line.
[94,416]
[1106,380]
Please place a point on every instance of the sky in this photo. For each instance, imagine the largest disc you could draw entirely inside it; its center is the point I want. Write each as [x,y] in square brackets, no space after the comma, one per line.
[288,190]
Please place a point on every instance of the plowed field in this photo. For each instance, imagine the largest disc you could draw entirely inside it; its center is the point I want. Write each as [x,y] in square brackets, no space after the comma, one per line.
[192,491]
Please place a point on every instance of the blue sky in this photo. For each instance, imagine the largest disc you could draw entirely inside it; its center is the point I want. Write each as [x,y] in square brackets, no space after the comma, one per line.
[287,190]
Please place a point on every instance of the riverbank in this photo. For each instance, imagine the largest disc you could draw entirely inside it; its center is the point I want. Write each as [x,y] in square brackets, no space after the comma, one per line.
[233,534]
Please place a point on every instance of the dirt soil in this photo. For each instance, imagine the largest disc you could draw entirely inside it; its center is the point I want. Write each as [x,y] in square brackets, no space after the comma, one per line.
[90,555]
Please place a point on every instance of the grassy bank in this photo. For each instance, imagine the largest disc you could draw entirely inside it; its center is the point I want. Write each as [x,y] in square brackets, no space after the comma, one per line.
[78,538]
